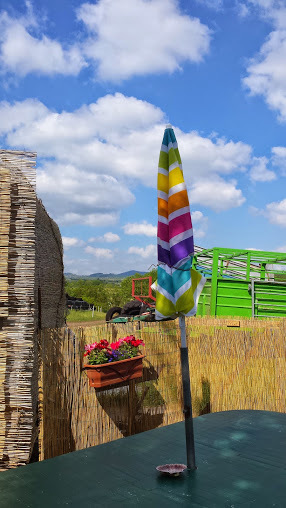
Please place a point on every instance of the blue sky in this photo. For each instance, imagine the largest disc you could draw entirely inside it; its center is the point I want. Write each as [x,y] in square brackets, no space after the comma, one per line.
[90,87]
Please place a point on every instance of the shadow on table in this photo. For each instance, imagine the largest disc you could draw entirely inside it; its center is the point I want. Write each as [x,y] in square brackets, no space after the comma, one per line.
[134,406]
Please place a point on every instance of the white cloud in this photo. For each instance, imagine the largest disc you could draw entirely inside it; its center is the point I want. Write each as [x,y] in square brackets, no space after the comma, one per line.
[117,135]
[266,71]
[22,53]
[21,115]
[255,211]
[281,249]
[242,9]
[205,155]
[142,228]
[267,7]
[121,261]
[99,133]
[200,224]
[107,237]
[150,251]
[99,253]
[276,212]
[79,266]
[89,157]
[111,237]
[88,219]
[69,242]
[279,158]
[211,4]
[112,35]
[80,197]
[217,194]
[266,4]
[138,37]
[259,171]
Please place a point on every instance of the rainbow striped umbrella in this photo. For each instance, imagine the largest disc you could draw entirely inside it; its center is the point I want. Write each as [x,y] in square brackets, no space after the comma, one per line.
[178,285]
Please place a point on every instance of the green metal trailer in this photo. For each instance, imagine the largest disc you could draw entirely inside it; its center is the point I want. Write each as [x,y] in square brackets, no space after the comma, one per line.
[242,283]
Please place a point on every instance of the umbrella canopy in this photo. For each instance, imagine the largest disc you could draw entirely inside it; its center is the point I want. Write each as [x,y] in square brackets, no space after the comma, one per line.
[178,285]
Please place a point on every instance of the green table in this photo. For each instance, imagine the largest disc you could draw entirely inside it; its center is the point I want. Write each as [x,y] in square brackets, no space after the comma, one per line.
[241,458]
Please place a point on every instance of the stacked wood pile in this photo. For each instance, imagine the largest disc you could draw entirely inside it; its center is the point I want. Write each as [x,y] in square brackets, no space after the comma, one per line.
[233,365]
[23,268]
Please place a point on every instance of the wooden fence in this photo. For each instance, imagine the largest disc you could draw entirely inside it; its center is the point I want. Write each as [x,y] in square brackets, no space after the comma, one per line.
[233,365]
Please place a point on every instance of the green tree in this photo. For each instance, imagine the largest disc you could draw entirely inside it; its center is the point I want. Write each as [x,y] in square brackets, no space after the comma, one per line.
[92,291]
[126,286]
[106,294]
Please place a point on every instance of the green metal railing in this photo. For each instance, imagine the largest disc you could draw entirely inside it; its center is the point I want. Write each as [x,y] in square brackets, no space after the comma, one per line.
[242,282]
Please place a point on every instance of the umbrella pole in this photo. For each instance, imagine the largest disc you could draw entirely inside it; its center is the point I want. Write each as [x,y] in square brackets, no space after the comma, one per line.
[189,430]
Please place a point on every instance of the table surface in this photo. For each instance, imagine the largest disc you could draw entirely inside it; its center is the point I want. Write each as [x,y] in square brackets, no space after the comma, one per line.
[241,459]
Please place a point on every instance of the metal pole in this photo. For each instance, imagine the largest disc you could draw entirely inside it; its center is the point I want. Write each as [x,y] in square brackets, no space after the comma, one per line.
[214,285]
[189,429]
[252,298]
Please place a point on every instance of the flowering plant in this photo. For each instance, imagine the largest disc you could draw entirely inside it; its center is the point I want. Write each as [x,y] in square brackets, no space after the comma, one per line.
[105,352]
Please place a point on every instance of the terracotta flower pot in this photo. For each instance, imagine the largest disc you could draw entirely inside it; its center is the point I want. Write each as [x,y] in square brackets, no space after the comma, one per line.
[112,373]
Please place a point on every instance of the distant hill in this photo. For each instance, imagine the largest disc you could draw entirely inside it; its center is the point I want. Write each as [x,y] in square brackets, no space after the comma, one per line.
[104,276]
[132,272]
[71,276]
[123,274]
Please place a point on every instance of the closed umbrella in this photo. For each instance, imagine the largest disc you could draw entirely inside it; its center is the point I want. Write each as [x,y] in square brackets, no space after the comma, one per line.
[178,285]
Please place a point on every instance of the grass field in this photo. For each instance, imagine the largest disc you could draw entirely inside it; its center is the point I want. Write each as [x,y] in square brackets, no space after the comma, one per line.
[75,316]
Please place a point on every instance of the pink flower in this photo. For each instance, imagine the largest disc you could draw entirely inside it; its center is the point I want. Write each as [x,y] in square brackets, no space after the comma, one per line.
[103,344]
[129,339]
[137,342]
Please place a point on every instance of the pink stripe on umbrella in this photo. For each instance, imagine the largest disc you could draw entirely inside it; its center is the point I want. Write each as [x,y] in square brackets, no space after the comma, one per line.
[163,231]
[180,224]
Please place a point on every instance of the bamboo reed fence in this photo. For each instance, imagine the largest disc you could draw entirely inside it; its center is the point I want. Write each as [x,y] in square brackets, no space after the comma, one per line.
[31,296]
[18,376]
[233,365]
